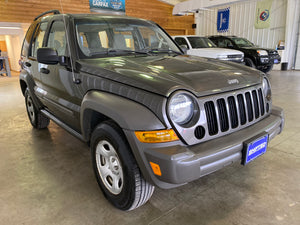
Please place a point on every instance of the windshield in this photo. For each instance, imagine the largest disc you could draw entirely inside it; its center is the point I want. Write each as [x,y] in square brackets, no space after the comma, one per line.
[201,42]
[102,37]
[242,42]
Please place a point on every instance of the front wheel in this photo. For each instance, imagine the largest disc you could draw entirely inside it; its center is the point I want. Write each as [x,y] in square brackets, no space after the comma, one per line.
[116,170]
[249,62]
[267,69]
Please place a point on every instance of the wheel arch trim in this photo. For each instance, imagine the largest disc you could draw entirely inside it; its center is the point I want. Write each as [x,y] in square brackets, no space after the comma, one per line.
[126,113]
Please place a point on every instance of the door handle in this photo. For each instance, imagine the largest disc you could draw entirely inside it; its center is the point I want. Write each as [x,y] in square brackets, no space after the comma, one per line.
[45,71]
[27,64]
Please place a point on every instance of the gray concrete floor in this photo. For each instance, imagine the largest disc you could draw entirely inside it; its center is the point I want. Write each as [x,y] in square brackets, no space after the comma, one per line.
[46,176]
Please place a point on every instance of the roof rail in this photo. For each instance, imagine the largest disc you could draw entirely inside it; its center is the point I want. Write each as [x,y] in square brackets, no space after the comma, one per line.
[55,11]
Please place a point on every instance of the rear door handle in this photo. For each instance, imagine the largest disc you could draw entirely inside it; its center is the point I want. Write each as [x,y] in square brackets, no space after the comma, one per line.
[27,64]
[45,71]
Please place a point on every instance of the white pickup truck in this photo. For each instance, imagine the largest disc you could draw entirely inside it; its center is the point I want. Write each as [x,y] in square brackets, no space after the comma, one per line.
[202,46]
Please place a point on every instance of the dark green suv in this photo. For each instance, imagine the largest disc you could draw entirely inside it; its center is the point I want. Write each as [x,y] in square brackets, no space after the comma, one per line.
[260,58]
[151,115]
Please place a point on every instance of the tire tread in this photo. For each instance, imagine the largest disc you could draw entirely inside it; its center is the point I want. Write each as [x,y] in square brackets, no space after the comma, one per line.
[143,191]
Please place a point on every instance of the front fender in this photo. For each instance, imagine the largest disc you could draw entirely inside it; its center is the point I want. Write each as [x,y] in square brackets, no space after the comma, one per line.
[126,113]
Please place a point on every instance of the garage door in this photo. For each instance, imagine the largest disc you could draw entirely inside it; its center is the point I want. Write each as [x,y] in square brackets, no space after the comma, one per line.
[297,64]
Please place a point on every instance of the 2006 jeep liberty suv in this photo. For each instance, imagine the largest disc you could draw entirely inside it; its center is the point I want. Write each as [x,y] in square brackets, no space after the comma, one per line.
[151,115]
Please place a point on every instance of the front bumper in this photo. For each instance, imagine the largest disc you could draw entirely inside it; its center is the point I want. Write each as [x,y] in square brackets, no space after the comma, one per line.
[263,60]
[180,163]
[276,59]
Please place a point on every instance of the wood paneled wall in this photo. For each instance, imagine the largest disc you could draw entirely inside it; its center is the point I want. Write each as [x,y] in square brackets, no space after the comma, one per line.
[3,46]
[24,11]
[160,13]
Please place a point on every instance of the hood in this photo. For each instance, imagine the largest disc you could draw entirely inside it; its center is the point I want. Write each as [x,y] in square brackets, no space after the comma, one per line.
[259,48]
[163,74]
[213,52]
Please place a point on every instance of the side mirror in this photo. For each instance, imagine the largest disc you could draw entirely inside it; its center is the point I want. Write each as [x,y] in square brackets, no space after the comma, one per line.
[184,48]
[47,56]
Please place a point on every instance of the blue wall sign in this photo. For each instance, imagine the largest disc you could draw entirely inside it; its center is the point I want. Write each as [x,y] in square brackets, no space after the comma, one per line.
[223,20]
[109,6]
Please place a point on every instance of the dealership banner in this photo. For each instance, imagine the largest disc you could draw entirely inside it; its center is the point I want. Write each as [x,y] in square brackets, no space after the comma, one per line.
[108,6]
[263,14]
[223,20]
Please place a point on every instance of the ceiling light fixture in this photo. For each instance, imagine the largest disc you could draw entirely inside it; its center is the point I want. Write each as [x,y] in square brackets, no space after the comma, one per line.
[13,28]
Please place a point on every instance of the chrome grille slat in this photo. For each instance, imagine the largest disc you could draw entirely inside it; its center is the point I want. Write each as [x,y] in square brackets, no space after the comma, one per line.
[262,103]
[255,104]
[212,122]
[233,112]
[249,106]
[242,109]
[223,115]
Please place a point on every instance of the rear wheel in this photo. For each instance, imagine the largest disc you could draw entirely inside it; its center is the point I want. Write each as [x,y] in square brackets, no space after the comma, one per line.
[36,118]
[249,62]
[116,170]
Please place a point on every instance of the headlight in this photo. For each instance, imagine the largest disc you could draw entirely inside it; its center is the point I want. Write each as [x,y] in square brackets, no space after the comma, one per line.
[262,52]
[181,108]
[266,89]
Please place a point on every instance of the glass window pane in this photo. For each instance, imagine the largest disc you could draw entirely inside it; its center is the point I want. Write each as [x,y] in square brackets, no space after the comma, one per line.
[57,38]
[38,39]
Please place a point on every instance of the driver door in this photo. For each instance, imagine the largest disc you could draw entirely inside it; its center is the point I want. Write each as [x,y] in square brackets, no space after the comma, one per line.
[59,90]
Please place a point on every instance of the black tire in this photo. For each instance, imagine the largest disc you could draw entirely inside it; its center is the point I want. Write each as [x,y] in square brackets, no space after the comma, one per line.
[267,68]
[249,62]
[113,163]
[36,118]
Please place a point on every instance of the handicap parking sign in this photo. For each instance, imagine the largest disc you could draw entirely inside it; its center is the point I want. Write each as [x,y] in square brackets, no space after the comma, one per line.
[223,20]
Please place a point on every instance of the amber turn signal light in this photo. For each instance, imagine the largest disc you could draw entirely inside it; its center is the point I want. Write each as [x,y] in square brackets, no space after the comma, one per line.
[155,168]
[156,136]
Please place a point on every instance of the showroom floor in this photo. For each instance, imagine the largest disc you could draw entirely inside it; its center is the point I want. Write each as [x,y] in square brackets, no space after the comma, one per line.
[47,178]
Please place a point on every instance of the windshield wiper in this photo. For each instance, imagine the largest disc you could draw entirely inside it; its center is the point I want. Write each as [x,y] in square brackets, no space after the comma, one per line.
[153,50]
[118,51]
[125,51]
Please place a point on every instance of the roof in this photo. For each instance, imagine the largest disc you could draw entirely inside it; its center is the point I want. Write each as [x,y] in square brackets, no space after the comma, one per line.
[187,36]
[86,15]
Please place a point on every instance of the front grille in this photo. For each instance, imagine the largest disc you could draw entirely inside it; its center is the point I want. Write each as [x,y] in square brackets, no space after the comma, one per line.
[225,113]
[234,56]
[233,111]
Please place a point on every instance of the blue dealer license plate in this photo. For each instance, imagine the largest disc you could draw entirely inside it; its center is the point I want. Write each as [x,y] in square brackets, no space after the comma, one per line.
[254,148]
[275,61]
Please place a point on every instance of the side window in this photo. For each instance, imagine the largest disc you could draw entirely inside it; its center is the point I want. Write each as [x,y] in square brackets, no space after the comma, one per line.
[181,41]
[224,43]
[57,38]
[215,41]
[38,38]
[27,39]
[228,43]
